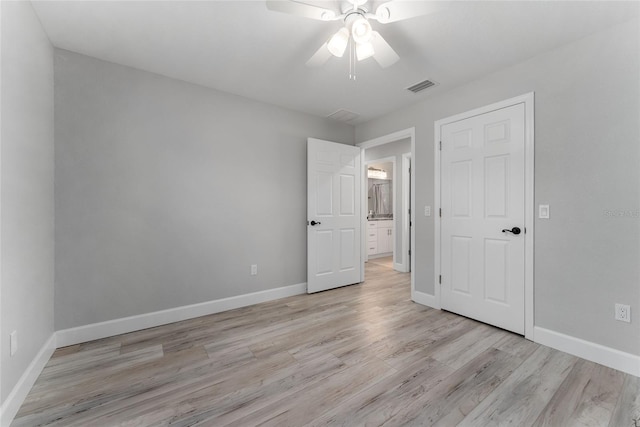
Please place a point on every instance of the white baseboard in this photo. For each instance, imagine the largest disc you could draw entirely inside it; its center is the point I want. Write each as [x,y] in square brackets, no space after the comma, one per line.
[425,299]
[399,266]
[124,325]
[612,358]
[382,255]
[15,399]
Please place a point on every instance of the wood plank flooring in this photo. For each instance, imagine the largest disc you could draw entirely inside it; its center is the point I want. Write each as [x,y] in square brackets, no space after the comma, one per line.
[354,356]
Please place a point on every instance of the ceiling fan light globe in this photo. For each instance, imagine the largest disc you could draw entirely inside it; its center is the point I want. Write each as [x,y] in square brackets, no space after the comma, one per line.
[361,30]
[338,42]
[364,51]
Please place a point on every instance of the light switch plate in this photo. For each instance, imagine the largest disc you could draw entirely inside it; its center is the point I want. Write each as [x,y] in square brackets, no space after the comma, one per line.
[427,211]
[13,342]
[543,212]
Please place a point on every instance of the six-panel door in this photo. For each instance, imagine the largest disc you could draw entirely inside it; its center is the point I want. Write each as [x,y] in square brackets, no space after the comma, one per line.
[482,199]
[333,204]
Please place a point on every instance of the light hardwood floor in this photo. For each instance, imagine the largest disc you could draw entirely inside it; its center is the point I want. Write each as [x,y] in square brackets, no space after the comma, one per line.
[358,355]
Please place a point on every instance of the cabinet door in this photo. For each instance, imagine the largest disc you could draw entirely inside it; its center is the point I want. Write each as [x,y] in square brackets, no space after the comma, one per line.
[384,240]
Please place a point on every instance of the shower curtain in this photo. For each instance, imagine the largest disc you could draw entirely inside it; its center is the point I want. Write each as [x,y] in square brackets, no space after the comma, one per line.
[381,198]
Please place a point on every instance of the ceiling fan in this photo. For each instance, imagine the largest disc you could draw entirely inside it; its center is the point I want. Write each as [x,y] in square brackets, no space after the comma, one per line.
[357,29]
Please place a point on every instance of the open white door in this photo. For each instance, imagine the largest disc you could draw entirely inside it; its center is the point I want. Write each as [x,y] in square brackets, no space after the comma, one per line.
[333,215]
[483,217]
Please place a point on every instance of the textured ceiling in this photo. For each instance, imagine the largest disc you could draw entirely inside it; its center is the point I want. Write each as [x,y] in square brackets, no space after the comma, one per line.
[242,48]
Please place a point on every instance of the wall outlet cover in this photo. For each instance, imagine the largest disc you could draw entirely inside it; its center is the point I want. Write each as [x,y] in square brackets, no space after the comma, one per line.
[623,313]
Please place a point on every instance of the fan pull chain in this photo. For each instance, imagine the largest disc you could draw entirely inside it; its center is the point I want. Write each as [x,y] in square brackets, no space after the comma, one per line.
[352,52]
[352,60]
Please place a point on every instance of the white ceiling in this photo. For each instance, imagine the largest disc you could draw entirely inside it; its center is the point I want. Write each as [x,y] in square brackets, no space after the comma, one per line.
[242,48]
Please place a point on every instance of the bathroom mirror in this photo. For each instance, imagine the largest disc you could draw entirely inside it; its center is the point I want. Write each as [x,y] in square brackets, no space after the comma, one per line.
[380,187]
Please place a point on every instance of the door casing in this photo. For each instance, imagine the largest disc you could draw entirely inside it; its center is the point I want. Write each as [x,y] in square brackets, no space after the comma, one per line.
[528,101]
[385,139]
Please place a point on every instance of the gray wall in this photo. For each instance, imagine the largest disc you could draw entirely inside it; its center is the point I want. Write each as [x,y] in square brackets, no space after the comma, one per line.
[167,192]
[394,149]
[26,189]
[587,128]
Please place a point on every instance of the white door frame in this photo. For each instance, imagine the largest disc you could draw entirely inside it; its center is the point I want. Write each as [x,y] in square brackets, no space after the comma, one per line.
[392,137]
[406,212]
[394,199]
[528,101]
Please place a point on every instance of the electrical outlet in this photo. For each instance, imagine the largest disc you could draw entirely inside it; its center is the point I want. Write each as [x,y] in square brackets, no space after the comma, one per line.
[623,313]
[427,211]
[254,269]
[13,342]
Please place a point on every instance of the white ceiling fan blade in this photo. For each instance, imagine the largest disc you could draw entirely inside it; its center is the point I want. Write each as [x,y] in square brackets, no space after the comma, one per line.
[303,9]
[319,58]
[384,54]
[393,11]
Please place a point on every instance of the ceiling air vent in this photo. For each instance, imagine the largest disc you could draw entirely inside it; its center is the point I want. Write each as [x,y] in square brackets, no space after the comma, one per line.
[421,86]
[344,116]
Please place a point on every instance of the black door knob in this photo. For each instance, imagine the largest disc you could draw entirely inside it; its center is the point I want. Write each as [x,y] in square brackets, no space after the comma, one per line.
[514,230]
[315,223]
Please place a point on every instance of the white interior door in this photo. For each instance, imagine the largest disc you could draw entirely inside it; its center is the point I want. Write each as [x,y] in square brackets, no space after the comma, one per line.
[482,224]
[333,215]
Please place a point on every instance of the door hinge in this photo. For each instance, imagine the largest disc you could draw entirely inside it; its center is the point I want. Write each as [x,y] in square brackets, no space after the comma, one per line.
[440,210]
[440,279]
[440,145]
[409,211]
[409,251]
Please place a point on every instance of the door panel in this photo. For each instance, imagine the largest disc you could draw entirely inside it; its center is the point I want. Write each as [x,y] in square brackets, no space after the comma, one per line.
[347,195]
[461,189]
[496,268]
[324,256]
[333,206]
[461,264]
[347,249]
[482,193]
[496,191]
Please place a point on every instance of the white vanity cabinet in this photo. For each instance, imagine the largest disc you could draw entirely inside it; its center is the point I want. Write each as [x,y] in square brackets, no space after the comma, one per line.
[379,237]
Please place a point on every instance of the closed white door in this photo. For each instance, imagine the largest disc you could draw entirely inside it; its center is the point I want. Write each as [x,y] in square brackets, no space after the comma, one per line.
[333,215]
[482,224]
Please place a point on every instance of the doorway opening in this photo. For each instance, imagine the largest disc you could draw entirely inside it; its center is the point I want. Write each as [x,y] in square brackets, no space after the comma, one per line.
[381,209]
[387,202]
